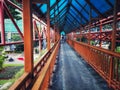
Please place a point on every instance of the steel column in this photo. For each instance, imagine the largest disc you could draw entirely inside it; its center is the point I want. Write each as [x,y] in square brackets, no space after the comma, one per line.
[114,26]
[28,35]
[38,34]
[2,22]
[100,33]
[113,41]
[48,24]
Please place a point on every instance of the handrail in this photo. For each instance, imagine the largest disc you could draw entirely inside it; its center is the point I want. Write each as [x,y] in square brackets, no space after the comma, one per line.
[26,81]
[43,79]
[105,62]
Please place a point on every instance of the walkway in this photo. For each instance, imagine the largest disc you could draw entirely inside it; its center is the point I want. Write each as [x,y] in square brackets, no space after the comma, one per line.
[73,73]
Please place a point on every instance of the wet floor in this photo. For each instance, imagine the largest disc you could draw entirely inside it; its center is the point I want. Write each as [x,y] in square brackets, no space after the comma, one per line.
[73,73]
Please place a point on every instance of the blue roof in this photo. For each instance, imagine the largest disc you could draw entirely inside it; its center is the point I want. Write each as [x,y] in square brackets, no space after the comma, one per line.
[76,11]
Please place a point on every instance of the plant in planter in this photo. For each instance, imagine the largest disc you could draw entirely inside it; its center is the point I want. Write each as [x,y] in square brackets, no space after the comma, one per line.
[36,50]
[2,58]
[77,39]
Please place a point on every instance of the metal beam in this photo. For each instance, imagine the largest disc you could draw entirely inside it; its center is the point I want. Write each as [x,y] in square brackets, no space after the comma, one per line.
[71,21]
[28,35]
[74,18]
[40,6]
[113,46]
[109,3]
[94,8]
[79,13]
[62,18]
[64,11]
[77,19]
[68,8]
[2,22]
[48,24]
[59,13]
[59,7]
[114,26]
[53,6]
[39,1]
[82,7]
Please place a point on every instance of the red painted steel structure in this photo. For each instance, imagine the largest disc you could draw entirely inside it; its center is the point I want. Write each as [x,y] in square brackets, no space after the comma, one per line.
[3,6]
[99,59]
[100,35]
[27,81]
[48,24]
[28,35]
[2,21]
[9,14]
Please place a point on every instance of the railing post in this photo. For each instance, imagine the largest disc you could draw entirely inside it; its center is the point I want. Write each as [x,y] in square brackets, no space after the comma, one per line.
[54,27]
[2,22]
[100,33]
[48,24]
[113,41]
[28,35]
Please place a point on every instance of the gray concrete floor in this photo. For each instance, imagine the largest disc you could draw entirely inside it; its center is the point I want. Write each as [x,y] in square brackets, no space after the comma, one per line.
[73,73]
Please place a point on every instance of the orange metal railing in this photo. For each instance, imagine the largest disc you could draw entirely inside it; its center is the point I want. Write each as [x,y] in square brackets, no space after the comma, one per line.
[105,62]
[42,69]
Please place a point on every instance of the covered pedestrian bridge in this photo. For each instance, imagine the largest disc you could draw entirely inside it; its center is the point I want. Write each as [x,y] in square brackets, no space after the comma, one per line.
[86,58]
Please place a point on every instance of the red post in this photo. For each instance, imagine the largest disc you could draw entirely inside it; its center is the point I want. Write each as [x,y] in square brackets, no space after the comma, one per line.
[28,35]
[54,27]
[2,22]
[54,34]
[36,28]
[114,26]
[113,41]
[100,33]
[48,24]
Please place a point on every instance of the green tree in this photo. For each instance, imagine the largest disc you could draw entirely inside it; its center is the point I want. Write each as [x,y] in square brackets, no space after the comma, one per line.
[13,11]
[16,38]
[2,57]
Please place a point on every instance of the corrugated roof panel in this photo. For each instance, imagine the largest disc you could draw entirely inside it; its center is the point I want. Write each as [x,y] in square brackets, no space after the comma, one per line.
[63,13]
[52,16]
[73,14]
[83,21]
[60,2]
[38,5]
[94,14]
[62,6]
[73,11]
[112,1]
[56,12]
[52,2]
[101,5]
[76,5]
[44,8]
[68,15]
[85,14]
[52,11]
[82,2]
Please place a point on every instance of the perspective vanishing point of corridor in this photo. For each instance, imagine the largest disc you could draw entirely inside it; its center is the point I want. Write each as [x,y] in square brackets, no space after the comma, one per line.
[73,73]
